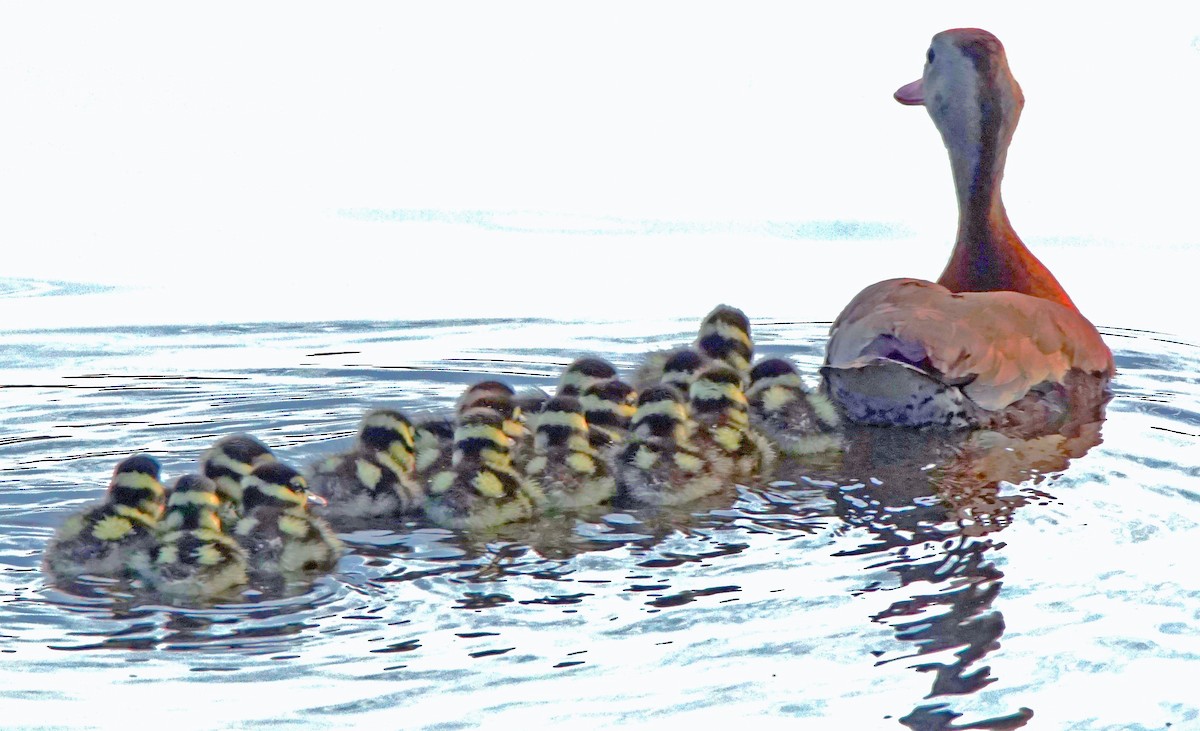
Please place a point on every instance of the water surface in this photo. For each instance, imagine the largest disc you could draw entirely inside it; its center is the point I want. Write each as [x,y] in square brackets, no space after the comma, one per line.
[915,581]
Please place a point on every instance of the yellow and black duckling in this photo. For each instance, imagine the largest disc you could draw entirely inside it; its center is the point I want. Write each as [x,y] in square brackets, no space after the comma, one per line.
[481,489]
[433,444]
[725,336]
[569,471]
[227,463]
[582,373]
[377,478]
[193,557]
[608,407]
[501,397]
[281,536]
[798,420]
[660,464]
[722,414]
[103,538]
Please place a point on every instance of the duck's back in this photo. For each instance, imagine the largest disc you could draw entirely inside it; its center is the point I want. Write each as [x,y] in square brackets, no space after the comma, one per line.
[935,355]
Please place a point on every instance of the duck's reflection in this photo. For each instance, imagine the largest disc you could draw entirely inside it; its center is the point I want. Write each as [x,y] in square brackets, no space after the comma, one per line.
[933,503]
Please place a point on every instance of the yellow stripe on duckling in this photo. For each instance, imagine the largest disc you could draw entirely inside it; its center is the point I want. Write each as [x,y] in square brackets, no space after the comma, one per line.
[488,484]
[112,528]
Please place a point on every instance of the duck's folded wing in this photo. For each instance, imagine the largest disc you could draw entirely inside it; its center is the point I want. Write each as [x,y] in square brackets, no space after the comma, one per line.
[994,346]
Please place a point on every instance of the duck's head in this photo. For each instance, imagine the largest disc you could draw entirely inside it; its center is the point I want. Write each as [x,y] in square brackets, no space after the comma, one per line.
[229,460]
[584,372]
[275,485]
[716,396]
[609,404]
[135,484]
[192,505]
[970,93]
[480,437]
[389,433]
[725,336]
[661,414]
[561,423]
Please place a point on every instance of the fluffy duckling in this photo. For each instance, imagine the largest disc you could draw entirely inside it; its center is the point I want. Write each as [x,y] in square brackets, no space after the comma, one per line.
[481,489]
[659,464]
[226,463]
[568,469]
[501,398]
[277,530]
[193,557]
[103,538]
[798,420]
[724,336]
[722,414]
[433,444]
[582,373]
[608,408]
[377,477]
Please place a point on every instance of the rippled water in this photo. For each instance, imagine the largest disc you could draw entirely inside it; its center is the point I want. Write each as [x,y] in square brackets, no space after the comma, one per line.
[916,580]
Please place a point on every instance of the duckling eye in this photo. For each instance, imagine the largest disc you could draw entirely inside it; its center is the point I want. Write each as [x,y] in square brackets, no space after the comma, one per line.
[929,56]
[299,484]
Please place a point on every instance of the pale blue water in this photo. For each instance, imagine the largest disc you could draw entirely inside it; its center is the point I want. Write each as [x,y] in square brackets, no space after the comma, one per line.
[908,582]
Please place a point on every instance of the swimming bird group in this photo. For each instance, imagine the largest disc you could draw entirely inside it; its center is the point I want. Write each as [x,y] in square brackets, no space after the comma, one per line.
[995,342]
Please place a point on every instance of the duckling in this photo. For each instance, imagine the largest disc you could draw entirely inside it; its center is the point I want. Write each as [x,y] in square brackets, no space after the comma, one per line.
[724,336]
[227,462]
[103,538]
[995,341]
[583,372]
[798,420]
[722,413]
[193,558]
[481,489]
[377,477]
[502,398]
[660,464]
[608,408]
[568,469]
[433,444]
[281,536]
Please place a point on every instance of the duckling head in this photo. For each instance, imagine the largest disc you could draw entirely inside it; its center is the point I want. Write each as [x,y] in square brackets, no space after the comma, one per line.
[275,485]
[480,437]
[499,397]
[229,460]
[609,404]
[716,397]
[582,373]
[192,505]
[773,373]
[389,433]
[973,99]
[561,423]
[135,484]
[725,336]
[680,369]
[661,414]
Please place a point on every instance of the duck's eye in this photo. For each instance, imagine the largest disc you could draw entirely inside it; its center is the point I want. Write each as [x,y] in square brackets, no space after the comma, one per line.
[929,56]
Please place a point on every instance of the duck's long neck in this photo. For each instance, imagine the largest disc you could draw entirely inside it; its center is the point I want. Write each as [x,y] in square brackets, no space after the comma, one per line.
[988,255]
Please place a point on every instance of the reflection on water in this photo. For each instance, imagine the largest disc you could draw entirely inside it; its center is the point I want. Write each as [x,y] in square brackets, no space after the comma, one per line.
[894,584]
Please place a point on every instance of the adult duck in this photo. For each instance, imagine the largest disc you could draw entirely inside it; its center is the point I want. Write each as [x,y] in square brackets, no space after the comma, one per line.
[996,341]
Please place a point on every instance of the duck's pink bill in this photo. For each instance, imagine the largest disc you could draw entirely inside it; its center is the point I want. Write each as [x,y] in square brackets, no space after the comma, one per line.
[911,94]
[317,500]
